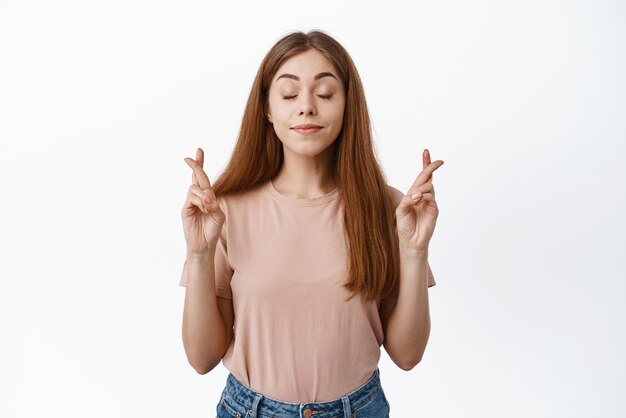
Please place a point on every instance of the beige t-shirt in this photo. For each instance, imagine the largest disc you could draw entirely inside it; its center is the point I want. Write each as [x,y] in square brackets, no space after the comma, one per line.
[282,261]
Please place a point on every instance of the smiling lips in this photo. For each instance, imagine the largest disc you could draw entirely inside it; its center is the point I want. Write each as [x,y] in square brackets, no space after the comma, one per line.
[307,128]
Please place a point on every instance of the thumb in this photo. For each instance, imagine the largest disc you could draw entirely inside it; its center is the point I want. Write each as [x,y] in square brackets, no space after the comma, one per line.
[407,203]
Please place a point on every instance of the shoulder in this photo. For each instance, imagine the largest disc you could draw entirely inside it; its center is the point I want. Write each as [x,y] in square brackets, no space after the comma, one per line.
[244,202]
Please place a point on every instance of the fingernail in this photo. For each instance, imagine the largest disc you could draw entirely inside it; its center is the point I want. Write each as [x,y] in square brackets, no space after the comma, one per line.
[415,195]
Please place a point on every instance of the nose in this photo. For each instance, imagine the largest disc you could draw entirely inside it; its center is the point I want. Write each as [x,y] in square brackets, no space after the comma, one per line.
[307,106]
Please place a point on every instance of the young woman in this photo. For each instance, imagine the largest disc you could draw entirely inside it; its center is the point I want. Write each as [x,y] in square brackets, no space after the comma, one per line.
[301,260]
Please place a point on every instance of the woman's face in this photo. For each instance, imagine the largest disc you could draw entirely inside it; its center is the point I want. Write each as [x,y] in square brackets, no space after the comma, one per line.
[316,97]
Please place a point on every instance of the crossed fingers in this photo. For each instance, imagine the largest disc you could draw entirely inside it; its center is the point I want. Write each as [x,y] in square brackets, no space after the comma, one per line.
[199,177]
[426,176]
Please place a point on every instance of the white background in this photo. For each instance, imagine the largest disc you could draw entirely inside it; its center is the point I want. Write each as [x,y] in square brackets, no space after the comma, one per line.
[524,101]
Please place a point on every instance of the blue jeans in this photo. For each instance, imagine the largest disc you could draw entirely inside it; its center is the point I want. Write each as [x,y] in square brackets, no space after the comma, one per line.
[367,401]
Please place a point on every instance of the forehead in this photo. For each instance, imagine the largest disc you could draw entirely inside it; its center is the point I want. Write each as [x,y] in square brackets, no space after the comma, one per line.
[305,66]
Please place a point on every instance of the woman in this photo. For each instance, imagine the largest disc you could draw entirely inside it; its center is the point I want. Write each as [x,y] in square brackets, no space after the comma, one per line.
[303,248]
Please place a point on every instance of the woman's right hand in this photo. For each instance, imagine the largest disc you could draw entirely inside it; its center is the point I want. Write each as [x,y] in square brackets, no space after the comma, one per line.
[202,216]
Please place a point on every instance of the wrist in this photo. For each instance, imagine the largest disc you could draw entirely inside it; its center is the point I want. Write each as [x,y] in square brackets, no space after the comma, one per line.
[410,250]
[193,255]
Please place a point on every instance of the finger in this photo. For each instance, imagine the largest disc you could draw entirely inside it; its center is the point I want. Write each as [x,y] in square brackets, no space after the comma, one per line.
[200,175]
[425,158]
[208,196]
[425,162]
[405,207]
[193,200]
[200,203]
[407,203]
[424,175]
[424,188]
[200,160]
[193,178]
[423,197]
[416,194]
[200,157]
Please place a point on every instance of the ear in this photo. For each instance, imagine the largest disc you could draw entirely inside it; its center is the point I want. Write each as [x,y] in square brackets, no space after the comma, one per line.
[267,113]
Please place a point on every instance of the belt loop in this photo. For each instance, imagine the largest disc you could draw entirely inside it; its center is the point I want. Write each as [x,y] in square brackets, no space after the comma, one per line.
[255,405]
[347,412]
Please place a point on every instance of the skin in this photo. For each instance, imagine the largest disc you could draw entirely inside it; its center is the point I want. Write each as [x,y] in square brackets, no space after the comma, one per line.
[306,170]
[417,212]
[201,231]
[207,327]
[406,323]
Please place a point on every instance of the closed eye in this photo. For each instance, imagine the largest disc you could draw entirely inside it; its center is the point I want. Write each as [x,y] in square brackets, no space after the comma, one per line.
[319,95]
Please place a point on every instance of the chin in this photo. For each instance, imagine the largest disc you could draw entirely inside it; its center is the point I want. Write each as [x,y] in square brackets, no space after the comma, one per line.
[311,149]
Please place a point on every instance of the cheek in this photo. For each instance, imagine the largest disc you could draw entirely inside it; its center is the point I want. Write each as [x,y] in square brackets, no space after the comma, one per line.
[279,109]
[338,114]
[281,119]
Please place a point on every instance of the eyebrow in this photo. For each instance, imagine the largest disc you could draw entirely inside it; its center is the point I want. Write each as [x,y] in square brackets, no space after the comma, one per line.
[317,76]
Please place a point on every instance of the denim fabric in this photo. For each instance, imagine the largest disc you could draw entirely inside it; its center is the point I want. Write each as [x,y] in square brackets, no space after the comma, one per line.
[367,401]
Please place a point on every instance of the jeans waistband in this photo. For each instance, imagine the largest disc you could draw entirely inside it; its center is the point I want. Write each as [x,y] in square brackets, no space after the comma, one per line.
[257,403]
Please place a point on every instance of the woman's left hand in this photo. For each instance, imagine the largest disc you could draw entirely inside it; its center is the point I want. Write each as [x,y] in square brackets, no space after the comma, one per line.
[416,218]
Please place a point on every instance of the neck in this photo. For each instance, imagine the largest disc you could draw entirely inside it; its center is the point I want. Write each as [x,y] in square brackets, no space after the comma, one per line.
[303,177]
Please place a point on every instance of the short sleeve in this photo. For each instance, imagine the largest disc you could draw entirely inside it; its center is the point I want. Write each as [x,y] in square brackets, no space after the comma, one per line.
[397,197]
[223,270]
[431,278]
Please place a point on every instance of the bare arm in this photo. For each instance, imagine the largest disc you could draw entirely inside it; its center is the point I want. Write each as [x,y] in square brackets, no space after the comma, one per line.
[204,336]
[408,324]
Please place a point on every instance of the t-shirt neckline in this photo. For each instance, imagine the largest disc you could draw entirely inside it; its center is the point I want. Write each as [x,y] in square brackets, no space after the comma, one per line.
[310,201]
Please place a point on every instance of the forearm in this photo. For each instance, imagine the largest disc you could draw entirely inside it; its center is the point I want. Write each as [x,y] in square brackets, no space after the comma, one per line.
[409,324]
[203,328]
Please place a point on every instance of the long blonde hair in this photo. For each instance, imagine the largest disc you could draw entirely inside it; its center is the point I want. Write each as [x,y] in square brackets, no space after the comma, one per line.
[369,212]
